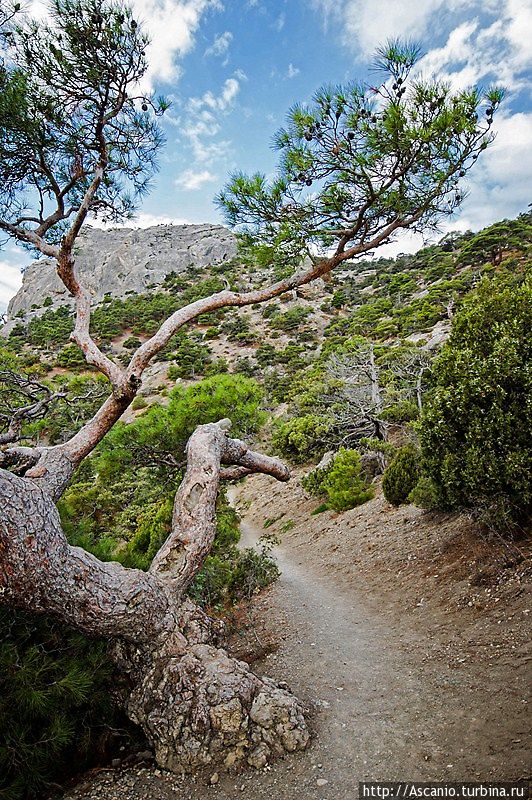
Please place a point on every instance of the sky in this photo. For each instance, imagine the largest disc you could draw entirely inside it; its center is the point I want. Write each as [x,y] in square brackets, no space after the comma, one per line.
[233,68]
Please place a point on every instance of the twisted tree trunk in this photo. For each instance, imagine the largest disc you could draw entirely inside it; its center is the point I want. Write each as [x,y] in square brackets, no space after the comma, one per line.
[196,704]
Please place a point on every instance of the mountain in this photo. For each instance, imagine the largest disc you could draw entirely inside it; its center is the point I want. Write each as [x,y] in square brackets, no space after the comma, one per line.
[123,260]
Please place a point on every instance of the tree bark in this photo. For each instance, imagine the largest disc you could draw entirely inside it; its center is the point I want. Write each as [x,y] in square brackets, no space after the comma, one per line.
[196,704]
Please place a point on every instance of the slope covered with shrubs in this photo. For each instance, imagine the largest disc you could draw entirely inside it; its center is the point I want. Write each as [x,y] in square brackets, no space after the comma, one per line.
[356,369]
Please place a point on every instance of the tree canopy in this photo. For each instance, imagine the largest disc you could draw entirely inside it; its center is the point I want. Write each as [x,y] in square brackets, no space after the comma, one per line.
[71,116]
[360,162]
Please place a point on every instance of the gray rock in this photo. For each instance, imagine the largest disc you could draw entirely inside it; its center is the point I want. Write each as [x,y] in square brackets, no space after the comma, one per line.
[124,260]
[259,756]
[372,464]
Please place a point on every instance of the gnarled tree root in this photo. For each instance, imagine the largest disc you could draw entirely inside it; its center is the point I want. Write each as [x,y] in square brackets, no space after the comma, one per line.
[206,708]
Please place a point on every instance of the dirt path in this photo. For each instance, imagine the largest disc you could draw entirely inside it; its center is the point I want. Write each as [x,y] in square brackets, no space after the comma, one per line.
[388,709]
[385,704]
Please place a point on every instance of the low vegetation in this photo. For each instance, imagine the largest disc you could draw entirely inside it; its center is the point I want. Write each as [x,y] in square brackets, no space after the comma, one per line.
[365,383]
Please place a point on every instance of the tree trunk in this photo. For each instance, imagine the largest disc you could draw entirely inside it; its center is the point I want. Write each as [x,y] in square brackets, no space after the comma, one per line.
[196,704]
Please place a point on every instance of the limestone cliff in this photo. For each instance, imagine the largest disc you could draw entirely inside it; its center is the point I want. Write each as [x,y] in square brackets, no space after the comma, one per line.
[125,260]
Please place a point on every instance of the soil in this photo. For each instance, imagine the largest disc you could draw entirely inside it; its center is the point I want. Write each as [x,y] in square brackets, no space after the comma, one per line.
[405,633]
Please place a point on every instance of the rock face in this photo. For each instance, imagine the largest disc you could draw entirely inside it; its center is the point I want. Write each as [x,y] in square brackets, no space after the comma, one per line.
[125,260]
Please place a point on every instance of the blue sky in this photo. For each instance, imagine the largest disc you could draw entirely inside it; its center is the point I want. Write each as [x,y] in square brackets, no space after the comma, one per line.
[232,68]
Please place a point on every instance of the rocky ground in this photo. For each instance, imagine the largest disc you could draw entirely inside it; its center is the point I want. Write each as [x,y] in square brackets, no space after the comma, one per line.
[404,633]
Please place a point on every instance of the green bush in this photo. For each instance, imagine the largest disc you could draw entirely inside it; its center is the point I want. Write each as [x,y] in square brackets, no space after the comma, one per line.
[290,320]
[55,707]
[139,402]
[312,482]
[424,494]
[131,343]
[401,475]
[402,411]
[475,428]
[301,438]
[345,485]
[70,357]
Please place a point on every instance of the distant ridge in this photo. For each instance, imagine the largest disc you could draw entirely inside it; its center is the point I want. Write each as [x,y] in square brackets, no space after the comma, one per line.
[123,260]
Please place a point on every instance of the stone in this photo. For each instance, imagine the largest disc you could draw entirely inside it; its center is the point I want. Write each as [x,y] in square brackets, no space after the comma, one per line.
[372,464]
[258,757]
[215,777]
[121,261]
[227,717]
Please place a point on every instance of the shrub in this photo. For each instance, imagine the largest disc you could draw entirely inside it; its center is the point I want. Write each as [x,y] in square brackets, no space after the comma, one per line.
[402,411]
[475,428]
[424,494]
[218,367]
[301,438]
[345,485]
[55,705]
[139,402]
[70,357]
[131,343]
[312,482]
[401,475]
[290,320]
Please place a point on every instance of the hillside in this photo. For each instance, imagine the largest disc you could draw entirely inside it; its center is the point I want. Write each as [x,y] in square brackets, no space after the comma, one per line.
[139,277]
[344,366]
[121,261]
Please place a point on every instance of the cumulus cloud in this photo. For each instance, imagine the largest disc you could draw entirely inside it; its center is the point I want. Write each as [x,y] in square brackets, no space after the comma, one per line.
[473,53]
[171,26]
[292,71]
[366,23]
[191,180]
[490,43]
[220,45]
[202,123]
[500,186]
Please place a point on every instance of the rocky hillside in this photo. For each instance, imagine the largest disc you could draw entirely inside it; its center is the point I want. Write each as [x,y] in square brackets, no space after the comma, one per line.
[124,260]
[139,277]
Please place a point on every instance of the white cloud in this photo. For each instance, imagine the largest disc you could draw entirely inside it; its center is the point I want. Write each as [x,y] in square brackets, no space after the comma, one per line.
[518,29]
[498,188]
[292,71]
[500,185]
[171,26]
[367,23]
[144,220]
[10,282]
[191,180]
[472,54]
[141,220]
[491,43]
[203,122]
[220,45]
[280,22]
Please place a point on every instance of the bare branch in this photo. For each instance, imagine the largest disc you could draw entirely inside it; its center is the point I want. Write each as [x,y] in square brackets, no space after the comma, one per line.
[40,399]
[193,521]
